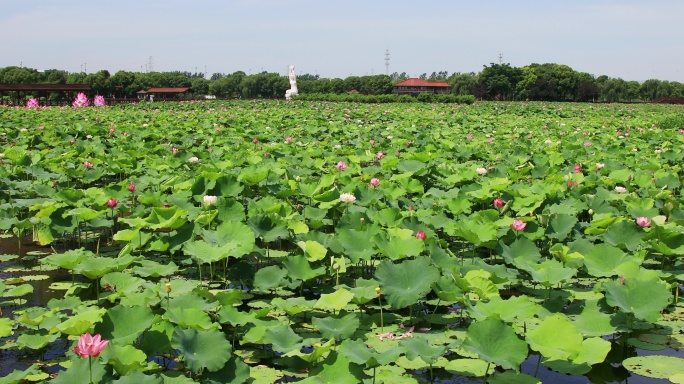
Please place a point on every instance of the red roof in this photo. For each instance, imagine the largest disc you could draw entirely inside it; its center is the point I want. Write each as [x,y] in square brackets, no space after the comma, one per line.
[421,83]
[167,90]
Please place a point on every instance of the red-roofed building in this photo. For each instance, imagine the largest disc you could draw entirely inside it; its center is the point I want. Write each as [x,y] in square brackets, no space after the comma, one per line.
[416,86]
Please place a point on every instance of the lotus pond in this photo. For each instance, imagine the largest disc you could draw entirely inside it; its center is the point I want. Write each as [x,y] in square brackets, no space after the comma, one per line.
[267,241]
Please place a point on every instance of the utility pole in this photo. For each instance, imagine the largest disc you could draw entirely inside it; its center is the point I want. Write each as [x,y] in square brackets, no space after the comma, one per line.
[387,61]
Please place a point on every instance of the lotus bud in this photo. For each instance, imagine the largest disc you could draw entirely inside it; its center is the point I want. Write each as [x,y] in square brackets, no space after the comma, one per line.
[168,287]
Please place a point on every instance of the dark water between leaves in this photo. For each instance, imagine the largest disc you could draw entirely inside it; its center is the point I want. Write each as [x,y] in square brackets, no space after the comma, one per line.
[26,266]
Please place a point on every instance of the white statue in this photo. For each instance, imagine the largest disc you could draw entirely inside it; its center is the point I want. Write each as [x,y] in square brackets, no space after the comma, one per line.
[293,85]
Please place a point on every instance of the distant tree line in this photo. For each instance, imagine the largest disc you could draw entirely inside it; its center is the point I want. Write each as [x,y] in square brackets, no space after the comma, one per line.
[546,82]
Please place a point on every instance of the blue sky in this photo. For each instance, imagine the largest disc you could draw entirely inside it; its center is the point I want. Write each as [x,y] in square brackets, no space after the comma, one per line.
[634,40]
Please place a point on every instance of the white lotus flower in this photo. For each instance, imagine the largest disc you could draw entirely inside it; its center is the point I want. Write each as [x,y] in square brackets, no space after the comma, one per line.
[347,198]
[210,200]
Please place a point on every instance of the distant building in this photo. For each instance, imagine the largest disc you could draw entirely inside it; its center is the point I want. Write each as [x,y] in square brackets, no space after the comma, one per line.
[415,86]
[164,93]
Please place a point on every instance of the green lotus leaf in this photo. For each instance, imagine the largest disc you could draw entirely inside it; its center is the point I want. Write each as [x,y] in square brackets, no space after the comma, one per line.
[123,325]
[298,268]
[556,338]
[81,368]
[521,250]
[124,358]
[36,340]
[421,347]
[6,327]
[479,282]
[594,351]
[150,268]
[560,227]
[655,366]
[235,371]
[282,338]
[567,367]
[69,259]
[270,277]
[357,243]
[592,322]
[358,352]
[665,240]
[190,318]
[400,283]
[364,290]
[201,349]
[293,305]
[495,342]
[18,291]
[643,298]
[507,310]
[623,234]
[16,376]
[268,228]
[313,250]
[207,253]
[335,369]
[230,232]
[172,217]
[566,256]
[398,247]
[80,323]
[446,290]
[337,327]
[86,214]
[549,272]
[476,230]
[122,282]
[467,367]
[603,259]
[318,352]
[157,338]
[334,301]
[96,267]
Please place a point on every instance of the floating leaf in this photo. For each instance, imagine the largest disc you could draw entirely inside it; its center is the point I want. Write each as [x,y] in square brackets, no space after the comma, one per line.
[337,327]
[334,301]
[655,366]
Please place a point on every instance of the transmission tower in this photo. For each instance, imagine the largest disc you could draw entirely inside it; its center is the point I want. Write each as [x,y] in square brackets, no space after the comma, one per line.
[500,58]
[149,65]
[387,59]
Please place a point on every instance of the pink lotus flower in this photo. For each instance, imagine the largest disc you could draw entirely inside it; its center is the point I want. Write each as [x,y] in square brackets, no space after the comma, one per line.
[90,346]
[380,155]
[578,168]
[288,140]
[32,103]
[255,141]
[72,141]
[643,221]
[111,130]
[81,100]
[341,166]
[421,235]
[87,164]
[374,182]
[131,187]
[99,101]
[112,203]
[371,141]
[174,150]
[518,225]
[498,202]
